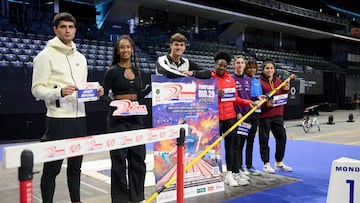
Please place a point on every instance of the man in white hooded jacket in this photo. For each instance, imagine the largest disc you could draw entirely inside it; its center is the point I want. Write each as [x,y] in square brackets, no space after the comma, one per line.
[58,71]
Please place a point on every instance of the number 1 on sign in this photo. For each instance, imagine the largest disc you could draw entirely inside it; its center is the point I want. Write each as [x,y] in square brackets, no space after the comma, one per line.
[351,197]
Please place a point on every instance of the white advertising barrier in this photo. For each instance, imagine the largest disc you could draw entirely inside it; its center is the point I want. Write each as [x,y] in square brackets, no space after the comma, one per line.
[60,149]
[344,184]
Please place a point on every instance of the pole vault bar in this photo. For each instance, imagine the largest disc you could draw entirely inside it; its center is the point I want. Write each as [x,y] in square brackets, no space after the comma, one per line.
[60,149]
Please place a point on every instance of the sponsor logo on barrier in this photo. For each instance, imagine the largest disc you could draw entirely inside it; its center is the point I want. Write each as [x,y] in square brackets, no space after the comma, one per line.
[52,151]
[75,148]
[110,142]
[93,145]
[201,190]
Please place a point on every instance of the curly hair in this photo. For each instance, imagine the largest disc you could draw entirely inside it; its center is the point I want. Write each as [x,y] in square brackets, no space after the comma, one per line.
[222,54]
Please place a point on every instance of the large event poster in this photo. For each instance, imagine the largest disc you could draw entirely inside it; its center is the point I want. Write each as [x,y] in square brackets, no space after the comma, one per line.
[192,101]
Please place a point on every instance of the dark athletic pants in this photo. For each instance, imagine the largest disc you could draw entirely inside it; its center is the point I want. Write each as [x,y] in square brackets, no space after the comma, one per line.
[123,190]
[276,125]
[60,128]
[253,119]
[230,140]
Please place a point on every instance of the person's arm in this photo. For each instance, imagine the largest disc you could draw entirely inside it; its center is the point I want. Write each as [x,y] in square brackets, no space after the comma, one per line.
[243,102]
[107,84]
[286,88]
[142,93]
[163,68]
[40,78]
[199,72]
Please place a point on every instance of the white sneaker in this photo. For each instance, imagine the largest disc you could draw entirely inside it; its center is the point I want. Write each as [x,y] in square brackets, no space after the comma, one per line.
[242,176]
[241,179]
[252,171]
[244,172]
[283,167]
[230,180]
[267,168]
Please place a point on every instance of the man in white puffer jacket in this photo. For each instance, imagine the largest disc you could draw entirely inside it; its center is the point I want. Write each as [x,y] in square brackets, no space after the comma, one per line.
[59,69]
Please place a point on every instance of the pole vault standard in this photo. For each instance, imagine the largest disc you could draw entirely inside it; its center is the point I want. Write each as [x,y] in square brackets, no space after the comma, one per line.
[196,159]
[24,156]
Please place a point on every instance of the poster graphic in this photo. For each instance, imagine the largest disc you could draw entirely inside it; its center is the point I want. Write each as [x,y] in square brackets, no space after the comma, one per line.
[194,102]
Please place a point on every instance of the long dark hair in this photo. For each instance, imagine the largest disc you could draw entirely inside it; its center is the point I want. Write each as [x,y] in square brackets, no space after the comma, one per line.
[134,60]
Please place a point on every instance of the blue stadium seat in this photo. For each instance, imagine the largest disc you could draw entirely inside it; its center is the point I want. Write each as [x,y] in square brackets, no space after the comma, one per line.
[17,51]
[10,57]
[24,58]
[21,45]
[4,50]
[17,64]
[9,45]
[86,41]
[110,48]
[4,64]
[143,65]
[41,37]
[20,35]
[101,52]
[31,36]
[93,46]
[4,39]
[15,39]
[85,46]
[101,63]
[9,33]
[29,52]
[91,56]
[83,51]
[99,68]
[26,40]
[92,51]
[91,62]
[28,64]
[37,41]
[34,47]
[101,57]
[102,47]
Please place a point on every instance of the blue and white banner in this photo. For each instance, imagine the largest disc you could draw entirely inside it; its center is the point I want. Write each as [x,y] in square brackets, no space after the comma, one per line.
[281,99]
[244,129]
[88,92]
[229,94]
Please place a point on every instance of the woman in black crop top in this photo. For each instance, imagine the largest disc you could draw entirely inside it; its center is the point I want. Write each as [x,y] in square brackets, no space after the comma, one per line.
[124,80]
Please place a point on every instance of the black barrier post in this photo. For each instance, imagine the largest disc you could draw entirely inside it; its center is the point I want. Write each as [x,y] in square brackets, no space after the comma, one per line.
[351,118]
[25,172]
[180,167]
[331,120]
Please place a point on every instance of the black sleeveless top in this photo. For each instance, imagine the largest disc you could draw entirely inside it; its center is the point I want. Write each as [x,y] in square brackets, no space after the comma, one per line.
[115,81]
